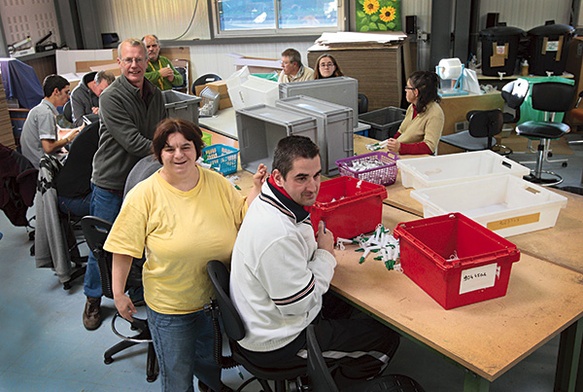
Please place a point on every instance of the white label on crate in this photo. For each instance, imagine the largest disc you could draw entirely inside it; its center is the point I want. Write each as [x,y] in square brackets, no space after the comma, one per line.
[478,278]
[552,46]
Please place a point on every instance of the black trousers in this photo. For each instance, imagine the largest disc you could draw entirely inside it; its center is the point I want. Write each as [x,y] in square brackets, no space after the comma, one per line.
[357,348]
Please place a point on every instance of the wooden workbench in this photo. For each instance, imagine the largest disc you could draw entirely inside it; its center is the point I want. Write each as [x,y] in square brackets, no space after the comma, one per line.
[489,337]
[558,244]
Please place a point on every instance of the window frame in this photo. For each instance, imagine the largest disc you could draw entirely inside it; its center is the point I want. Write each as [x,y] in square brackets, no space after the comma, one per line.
[216,33]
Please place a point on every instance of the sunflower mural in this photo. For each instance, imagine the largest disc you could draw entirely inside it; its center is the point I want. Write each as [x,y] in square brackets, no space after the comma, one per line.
[378,15]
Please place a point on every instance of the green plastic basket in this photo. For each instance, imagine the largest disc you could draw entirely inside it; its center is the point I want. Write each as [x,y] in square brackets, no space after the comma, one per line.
[207,139]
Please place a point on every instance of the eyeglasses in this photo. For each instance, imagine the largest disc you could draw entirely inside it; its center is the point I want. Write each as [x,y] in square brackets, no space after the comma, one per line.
[326,65]
[410,88]
[130,60]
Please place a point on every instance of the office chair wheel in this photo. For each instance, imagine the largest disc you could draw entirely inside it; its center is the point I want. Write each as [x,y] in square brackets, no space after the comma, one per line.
[564,164]
[108,360]
[549,154]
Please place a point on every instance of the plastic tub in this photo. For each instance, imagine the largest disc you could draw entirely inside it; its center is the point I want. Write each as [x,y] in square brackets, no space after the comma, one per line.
[335,128]
[384,123]
[260,127]
[384,174]
[341,203]
[180,105]
[507,204]
[222,158]
[445,169]
[455,260]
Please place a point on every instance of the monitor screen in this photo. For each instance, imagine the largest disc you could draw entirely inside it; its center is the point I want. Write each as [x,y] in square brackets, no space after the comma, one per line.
[342,90]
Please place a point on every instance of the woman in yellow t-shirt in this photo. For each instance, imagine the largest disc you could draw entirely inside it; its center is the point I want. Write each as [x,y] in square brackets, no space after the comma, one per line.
[183,216]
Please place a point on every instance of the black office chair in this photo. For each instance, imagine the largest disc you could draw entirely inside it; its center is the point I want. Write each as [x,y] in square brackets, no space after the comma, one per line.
[222,309]
[68,111]
[321,380]
[204,79]
[483,126]
[514,94]
[96,231]
[551,98]
[362,103]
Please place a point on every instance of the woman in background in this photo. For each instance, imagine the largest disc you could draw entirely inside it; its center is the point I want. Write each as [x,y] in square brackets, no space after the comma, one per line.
[327,67]
[421,129]
[183,216]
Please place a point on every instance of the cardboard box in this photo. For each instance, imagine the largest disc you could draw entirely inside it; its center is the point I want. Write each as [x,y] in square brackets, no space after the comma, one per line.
[256,64]
[219,86]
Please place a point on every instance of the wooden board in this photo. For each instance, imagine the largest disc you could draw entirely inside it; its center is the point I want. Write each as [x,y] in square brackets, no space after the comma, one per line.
[378,70]
[487,338]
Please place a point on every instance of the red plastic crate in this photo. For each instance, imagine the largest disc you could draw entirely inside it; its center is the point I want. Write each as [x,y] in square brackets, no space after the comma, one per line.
[384,174]
[348,206]
[480,272]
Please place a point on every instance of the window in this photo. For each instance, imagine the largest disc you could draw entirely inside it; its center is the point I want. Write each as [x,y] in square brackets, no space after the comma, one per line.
[275,17]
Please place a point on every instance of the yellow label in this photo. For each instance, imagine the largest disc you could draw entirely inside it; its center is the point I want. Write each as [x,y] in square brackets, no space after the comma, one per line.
[514,221]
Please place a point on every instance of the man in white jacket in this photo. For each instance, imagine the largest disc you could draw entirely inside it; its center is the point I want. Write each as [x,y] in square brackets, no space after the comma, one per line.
[280,272]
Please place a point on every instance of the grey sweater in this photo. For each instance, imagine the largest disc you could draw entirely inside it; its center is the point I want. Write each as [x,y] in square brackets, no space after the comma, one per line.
[128,120]
[83,99]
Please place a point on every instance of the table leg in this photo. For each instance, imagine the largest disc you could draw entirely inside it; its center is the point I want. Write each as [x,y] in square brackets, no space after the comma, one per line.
[569,374]
[475,383]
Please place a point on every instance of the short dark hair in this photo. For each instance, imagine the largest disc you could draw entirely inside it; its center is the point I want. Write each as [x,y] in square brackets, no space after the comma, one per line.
[293,55]
[167,127]
[52,82]
[289,149]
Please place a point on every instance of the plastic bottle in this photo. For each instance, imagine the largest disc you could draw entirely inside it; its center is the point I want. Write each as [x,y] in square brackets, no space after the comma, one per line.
[524,68]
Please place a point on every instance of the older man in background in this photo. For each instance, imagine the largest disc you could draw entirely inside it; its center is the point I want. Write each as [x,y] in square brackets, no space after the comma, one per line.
[160,70]
[85,97]
[293,69]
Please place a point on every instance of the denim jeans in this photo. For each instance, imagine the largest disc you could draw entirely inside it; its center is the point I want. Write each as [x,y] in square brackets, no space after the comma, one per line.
[184,348]
[77,206]
[105,204]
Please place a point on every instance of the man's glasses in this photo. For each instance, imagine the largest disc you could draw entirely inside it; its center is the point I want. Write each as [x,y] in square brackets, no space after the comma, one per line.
[410,88]
[130,60]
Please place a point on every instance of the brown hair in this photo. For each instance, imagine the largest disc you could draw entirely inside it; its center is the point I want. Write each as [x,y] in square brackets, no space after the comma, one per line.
[426,82]
[337,70]
[293,55]
[168,126]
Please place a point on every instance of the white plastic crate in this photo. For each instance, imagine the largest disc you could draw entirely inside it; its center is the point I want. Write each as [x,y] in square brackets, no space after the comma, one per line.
[446,169]
[505,204]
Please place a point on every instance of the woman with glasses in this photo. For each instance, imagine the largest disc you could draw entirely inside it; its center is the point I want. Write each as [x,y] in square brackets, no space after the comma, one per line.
[421,129]
[327,67]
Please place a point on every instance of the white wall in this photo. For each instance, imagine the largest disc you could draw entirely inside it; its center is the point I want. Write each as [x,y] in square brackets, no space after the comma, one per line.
[169,19]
